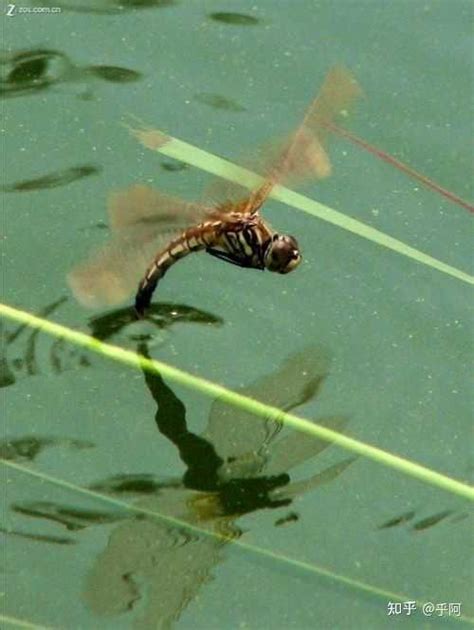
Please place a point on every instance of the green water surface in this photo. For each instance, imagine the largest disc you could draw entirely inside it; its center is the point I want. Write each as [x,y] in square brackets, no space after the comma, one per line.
[377,345]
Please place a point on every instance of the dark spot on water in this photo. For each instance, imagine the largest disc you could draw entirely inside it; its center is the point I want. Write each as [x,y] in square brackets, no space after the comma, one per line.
[7,377]
[101,225]
[27,448]
[128,484]
[72,518]
[174,166]
[429,521]
[239,19]
[32,70]
[143,4]
[398,520]
[285,520]
[218,102]
[111,6]
[84,361]
[56,540]
[115,74]
[53,180]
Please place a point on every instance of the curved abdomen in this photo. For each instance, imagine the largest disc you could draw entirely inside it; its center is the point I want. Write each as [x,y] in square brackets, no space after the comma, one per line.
[192,240]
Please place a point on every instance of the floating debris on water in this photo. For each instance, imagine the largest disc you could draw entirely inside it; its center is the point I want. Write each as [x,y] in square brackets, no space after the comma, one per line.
[174,166]
[28,71]
[238,19]
[115,74]
[218,101]
[27,448]
[53,180]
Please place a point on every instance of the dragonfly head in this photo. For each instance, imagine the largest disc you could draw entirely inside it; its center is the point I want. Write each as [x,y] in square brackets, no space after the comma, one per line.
[283,254]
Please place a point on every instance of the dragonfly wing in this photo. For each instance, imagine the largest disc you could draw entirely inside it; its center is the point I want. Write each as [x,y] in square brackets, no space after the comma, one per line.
[148,208]
[111,274]
[300,156]
[142,221]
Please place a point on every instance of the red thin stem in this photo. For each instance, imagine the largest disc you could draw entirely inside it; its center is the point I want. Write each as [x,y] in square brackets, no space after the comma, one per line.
[429,183]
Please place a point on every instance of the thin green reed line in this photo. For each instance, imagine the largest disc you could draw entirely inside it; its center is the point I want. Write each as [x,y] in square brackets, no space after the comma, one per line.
[185,152]
[22,623]
[247,547]
[242,402]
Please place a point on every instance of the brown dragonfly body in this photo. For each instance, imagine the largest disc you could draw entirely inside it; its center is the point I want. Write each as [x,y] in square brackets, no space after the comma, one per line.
[241,237]
[232,230]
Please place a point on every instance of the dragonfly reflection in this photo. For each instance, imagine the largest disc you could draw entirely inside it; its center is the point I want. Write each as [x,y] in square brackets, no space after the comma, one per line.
[145,221]
[238,465]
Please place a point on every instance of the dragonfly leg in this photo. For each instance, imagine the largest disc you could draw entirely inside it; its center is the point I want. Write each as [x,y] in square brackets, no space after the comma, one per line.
[233,259]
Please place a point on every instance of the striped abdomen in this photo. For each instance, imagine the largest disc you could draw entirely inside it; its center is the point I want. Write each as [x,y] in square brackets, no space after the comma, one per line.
[191,240]
[241,240]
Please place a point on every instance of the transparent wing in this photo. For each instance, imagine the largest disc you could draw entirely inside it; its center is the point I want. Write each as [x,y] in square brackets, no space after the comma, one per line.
[302,155]
[299,156]
[142,221]
[150,211]
[239,435]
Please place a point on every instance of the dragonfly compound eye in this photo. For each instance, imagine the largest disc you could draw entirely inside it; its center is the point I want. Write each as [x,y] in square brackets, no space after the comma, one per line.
[283,254]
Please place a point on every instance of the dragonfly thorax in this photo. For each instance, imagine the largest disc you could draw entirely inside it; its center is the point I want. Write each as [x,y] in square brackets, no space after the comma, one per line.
[282,254]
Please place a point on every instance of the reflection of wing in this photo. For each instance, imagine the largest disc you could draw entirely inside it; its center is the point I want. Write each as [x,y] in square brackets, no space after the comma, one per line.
[296,447]
[238,434]
[297,488]
[141,220]
[152,568]
[300,156]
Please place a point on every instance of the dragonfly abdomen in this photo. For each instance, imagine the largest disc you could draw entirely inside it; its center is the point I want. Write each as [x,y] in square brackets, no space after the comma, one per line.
[241,241]
[194,239]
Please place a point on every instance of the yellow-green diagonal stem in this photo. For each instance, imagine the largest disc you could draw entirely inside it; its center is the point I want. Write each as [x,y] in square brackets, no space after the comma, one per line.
[242,402]
[15,622]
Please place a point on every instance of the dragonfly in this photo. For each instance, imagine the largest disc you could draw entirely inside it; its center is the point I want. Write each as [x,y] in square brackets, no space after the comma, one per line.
[151,230]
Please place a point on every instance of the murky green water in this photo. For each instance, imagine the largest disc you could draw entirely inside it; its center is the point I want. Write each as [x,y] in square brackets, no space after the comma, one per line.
[371,342]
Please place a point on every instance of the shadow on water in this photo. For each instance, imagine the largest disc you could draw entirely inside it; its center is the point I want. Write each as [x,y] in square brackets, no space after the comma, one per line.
[27,448]
[174,166]
[217,101]
[19,350]
[162,315]
[27,72]
[235,19]
[421,524]
[53,180]
[238,465]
